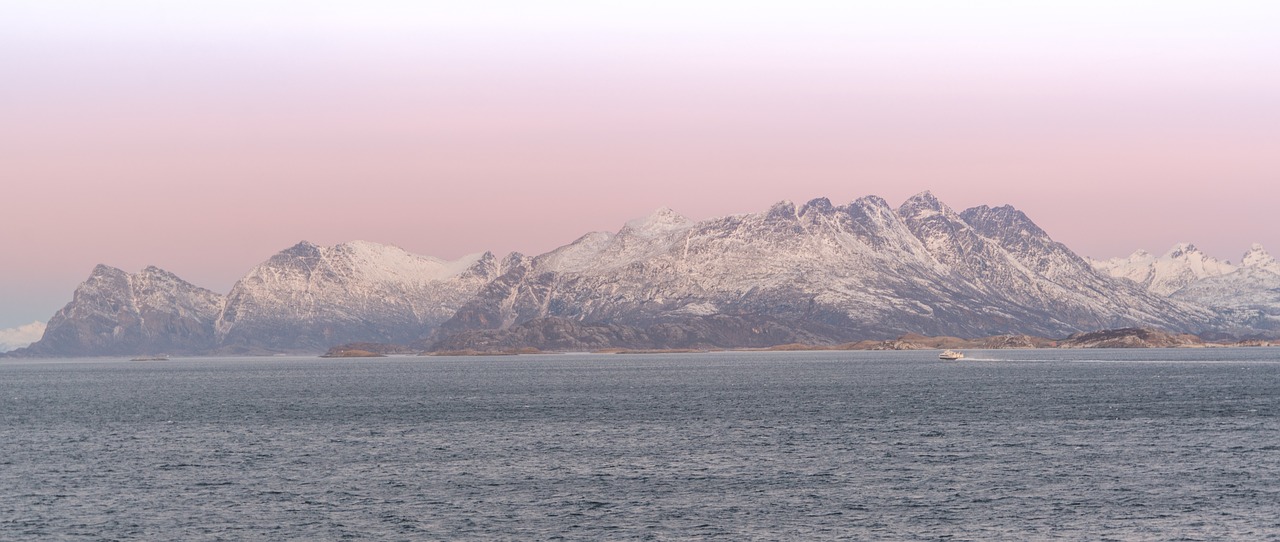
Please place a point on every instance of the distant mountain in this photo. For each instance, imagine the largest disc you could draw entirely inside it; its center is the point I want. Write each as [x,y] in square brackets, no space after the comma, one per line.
[862,270]
[1245,298]
[118,313]
[1259,258]
[1181,265]
[309,297]
[815,273]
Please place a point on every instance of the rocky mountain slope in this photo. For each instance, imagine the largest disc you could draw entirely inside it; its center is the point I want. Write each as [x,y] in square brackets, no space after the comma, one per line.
[309,297]
[118,313]
[862,270]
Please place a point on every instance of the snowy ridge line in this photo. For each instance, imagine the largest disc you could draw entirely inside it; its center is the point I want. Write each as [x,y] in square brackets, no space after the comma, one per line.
[817,272]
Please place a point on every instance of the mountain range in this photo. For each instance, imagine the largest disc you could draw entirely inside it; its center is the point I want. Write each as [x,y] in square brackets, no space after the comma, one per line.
[1244,297]
[817,273]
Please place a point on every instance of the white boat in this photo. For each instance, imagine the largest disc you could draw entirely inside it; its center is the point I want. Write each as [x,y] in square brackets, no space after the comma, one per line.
[950,355]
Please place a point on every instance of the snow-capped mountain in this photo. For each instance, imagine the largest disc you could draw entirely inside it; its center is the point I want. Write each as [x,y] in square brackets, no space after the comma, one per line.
[810,273]
[1259,258]
[311,297]
[118,313]
[1247,299]
[862,270]
[1181,265]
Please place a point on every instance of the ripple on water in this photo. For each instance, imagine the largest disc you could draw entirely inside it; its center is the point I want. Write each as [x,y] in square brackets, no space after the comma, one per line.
[719,446]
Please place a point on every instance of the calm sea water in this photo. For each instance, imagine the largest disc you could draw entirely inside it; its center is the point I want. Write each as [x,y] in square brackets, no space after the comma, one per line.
[1077,445]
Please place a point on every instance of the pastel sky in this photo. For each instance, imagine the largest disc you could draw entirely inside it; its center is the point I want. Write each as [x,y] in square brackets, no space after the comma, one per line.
[202,137]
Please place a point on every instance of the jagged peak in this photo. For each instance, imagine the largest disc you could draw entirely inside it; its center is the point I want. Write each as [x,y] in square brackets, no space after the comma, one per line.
[926,197]
[303,248]
[512,260]
[1006,210]
[660,220]
[818,205]
[871,208]
[784,209]
[922,205]
[483,266]
[104,270]
[1002,217]
[1181,250]
[868,203]
[153,271]
[1257,257]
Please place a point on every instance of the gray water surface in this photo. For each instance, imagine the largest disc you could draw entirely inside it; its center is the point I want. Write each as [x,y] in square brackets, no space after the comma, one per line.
[1007,445]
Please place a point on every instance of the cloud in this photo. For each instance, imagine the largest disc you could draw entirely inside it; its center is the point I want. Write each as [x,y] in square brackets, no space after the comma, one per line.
[18,337]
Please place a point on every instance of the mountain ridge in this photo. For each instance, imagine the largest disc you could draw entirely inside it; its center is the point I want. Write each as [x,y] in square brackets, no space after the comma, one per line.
[817,272]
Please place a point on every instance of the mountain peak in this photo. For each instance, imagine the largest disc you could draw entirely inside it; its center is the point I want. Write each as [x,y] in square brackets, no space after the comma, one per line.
[1181,249]
[153,272]
[1259,257]
[922,205]
[872,202]
[661,220]
[926,197]
[1180,266]
[784,210]
[818,205]
[156,270]
[104,270]
[303,248]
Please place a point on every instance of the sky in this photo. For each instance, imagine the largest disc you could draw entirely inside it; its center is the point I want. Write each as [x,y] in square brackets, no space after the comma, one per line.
[203,137]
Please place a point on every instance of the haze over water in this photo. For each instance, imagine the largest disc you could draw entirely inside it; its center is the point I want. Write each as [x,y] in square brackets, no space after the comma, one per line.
[1079,445]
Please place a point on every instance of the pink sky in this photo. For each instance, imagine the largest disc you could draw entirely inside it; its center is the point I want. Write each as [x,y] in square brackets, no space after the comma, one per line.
[204,137]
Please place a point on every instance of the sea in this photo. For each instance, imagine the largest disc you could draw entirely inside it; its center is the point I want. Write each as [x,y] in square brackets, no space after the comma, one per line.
[1151,444]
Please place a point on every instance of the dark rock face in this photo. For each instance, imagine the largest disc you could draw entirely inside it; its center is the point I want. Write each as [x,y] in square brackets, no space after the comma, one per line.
[117,313]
